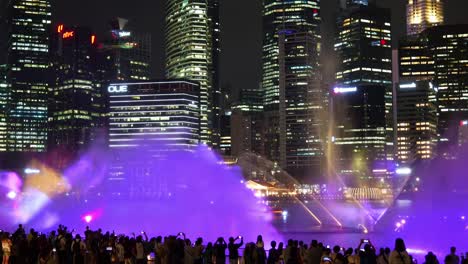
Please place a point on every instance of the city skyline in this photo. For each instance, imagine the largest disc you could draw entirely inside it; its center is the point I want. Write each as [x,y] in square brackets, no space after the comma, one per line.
[237,35]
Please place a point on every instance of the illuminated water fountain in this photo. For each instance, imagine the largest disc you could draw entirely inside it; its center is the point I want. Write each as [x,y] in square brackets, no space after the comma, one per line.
[187,192]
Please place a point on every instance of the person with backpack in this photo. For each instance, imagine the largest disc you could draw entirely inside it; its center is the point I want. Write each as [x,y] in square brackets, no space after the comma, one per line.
[399,255]
[78,249]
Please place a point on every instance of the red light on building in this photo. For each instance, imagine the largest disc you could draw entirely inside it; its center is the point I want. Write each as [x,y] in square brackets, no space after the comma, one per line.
[68,34]
[315,11]
[383,42]
[60,28]
[93,39]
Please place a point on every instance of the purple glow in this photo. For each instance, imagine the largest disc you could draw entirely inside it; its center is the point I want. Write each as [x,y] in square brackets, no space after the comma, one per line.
[88,218]
[11,195]
[191,192]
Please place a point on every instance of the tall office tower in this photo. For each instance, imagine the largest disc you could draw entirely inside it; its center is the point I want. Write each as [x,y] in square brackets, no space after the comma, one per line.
[77,101]
[189,52]
[423,14]
[247,124]
[154,118]
[28,64]
[365,63]
[415,61]
[3,103]
[130,52]
[360,135]
[448,46]
[301,105]
[416,122]
[364,46]
[218,109]
[151,106]
[303,16]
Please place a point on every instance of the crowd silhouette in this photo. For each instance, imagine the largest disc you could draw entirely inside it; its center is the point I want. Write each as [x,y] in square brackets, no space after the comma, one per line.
[64,246]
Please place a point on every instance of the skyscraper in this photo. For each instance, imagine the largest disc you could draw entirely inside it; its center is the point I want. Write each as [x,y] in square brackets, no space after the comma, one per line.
[278,15]
[303,16]
[164,112]
[3,103]
[364,46]
[189,53]
[360,134]
[416,121]
[77,101]
[151,119]
[28,77]
[448,47]
[363,90]
[130,52]
[217,91]
[422,14]
[301,105]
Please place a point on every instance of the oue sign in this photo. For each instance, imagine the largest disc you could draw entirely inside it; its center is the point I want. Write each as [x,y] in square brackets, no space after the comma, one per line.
[117,89]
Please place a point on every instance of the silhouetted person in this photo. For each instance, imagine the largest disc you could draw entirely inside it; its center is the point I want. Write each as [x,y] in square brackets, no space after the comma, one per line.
[368,256]
[452,258]
[273,256]
[430,258]
[259,253]
[233,249]
[220,251]
[208,254]
[399,255]
[314,253]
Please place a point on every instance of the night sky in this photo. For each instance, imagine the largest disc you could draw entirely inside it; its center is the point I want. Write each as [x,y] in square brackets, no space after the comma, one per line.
[241,28]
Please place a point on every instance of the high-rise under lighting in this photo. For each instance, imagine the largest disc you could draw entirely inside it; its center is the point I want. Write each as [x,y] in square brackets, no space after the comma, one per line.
[362,97]
[278,15]
[189,55]
[422,14]
[301,105]
[28,65]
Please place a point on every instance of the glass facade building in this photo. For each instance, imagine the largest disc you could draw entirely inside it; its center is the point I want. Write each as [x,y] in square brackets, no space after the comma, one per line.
[362,98]
[301,15]
[129,51]
[360,135]
[77,104]
[423,14]
[278,15]
[364,46]
[4,89]
[148,121]
[165,112]
[28,74]
[301,105]
[189,52]
[448,46]
[416,121]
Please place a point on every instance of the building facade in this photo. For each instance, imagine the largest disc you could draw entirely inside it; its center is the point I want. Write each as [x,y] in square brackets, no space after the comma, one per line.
[218,93]
[189,53]
[166,112]
[149,121]
[279,15]
[77,103]
[423,14]
[301,105]
[416,122]
[362,98]
[129,52]
[448,46]
[360,135]
[28,74]
[4,89]
[363,46]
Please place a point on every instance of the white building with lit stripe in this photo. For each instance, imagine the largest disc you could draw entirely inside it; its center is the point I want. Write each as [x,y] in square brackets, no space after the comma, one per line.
[164,114]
